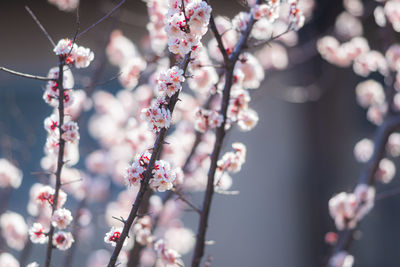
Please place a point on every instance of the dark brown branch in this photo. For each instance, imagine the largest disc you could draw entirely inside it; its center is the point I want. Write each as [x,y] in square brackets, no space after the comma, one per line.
[147,175]
[103,18]
[40,25]
[218,37]
[29,76]
[391,124]
[60,159]
[220,134]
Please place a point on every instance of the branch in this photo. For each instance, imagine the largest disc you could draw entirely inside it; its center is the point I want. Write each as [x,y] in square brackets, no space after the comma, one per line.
[30,76]
[40,25]
[181,197]
[391,124]
[147,174]
[60,160]
[272,38]
[218,37]
[100,20]
[220,134]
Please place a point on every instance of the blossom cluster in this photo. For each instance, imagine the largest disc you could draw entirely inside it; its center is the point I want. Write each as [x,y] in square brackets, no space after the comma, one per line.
[162,174]
[207,119]
[233,161]
[186,23]
[72,54]
[43,197]
[14,230]
[158,115]
[347,209]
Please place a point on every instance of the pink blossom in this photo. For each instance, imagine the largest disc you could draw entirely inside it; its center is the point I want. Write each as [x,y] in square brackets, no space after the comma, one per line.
[37,233]
[163,176]
[61,218]
[247,119]
[70,131]
[113,236]
[63,240]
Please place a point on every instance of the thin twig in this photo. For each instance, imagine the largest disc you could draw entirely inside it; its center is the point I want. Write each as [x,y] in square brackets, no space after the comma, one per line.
[182,197]
[272,38]
[103,18]
[29,76]
[73,181]
[40,25]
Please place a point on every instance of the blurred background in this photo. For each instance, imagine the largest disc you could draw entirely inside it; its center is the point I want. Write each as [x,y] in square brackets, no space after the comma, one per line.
[299,155]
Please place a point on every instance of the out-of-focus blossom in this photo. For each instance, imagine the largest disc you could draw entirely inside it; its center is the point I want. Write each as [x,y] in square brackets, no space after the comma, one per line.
[363,150]
[8,260]
[65,5]
[347,209]
[14,230]
[10,175]
[341,259]
[393,144]
[167,255]
[348,26]
[369,93]
[386,171]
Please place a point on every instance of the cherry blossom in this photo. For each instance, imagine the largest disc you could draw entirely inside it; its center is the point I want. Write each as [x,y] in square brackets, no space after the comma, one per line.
[163,176]
[61,218]
[63,240]
[37,233]
[113,235]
